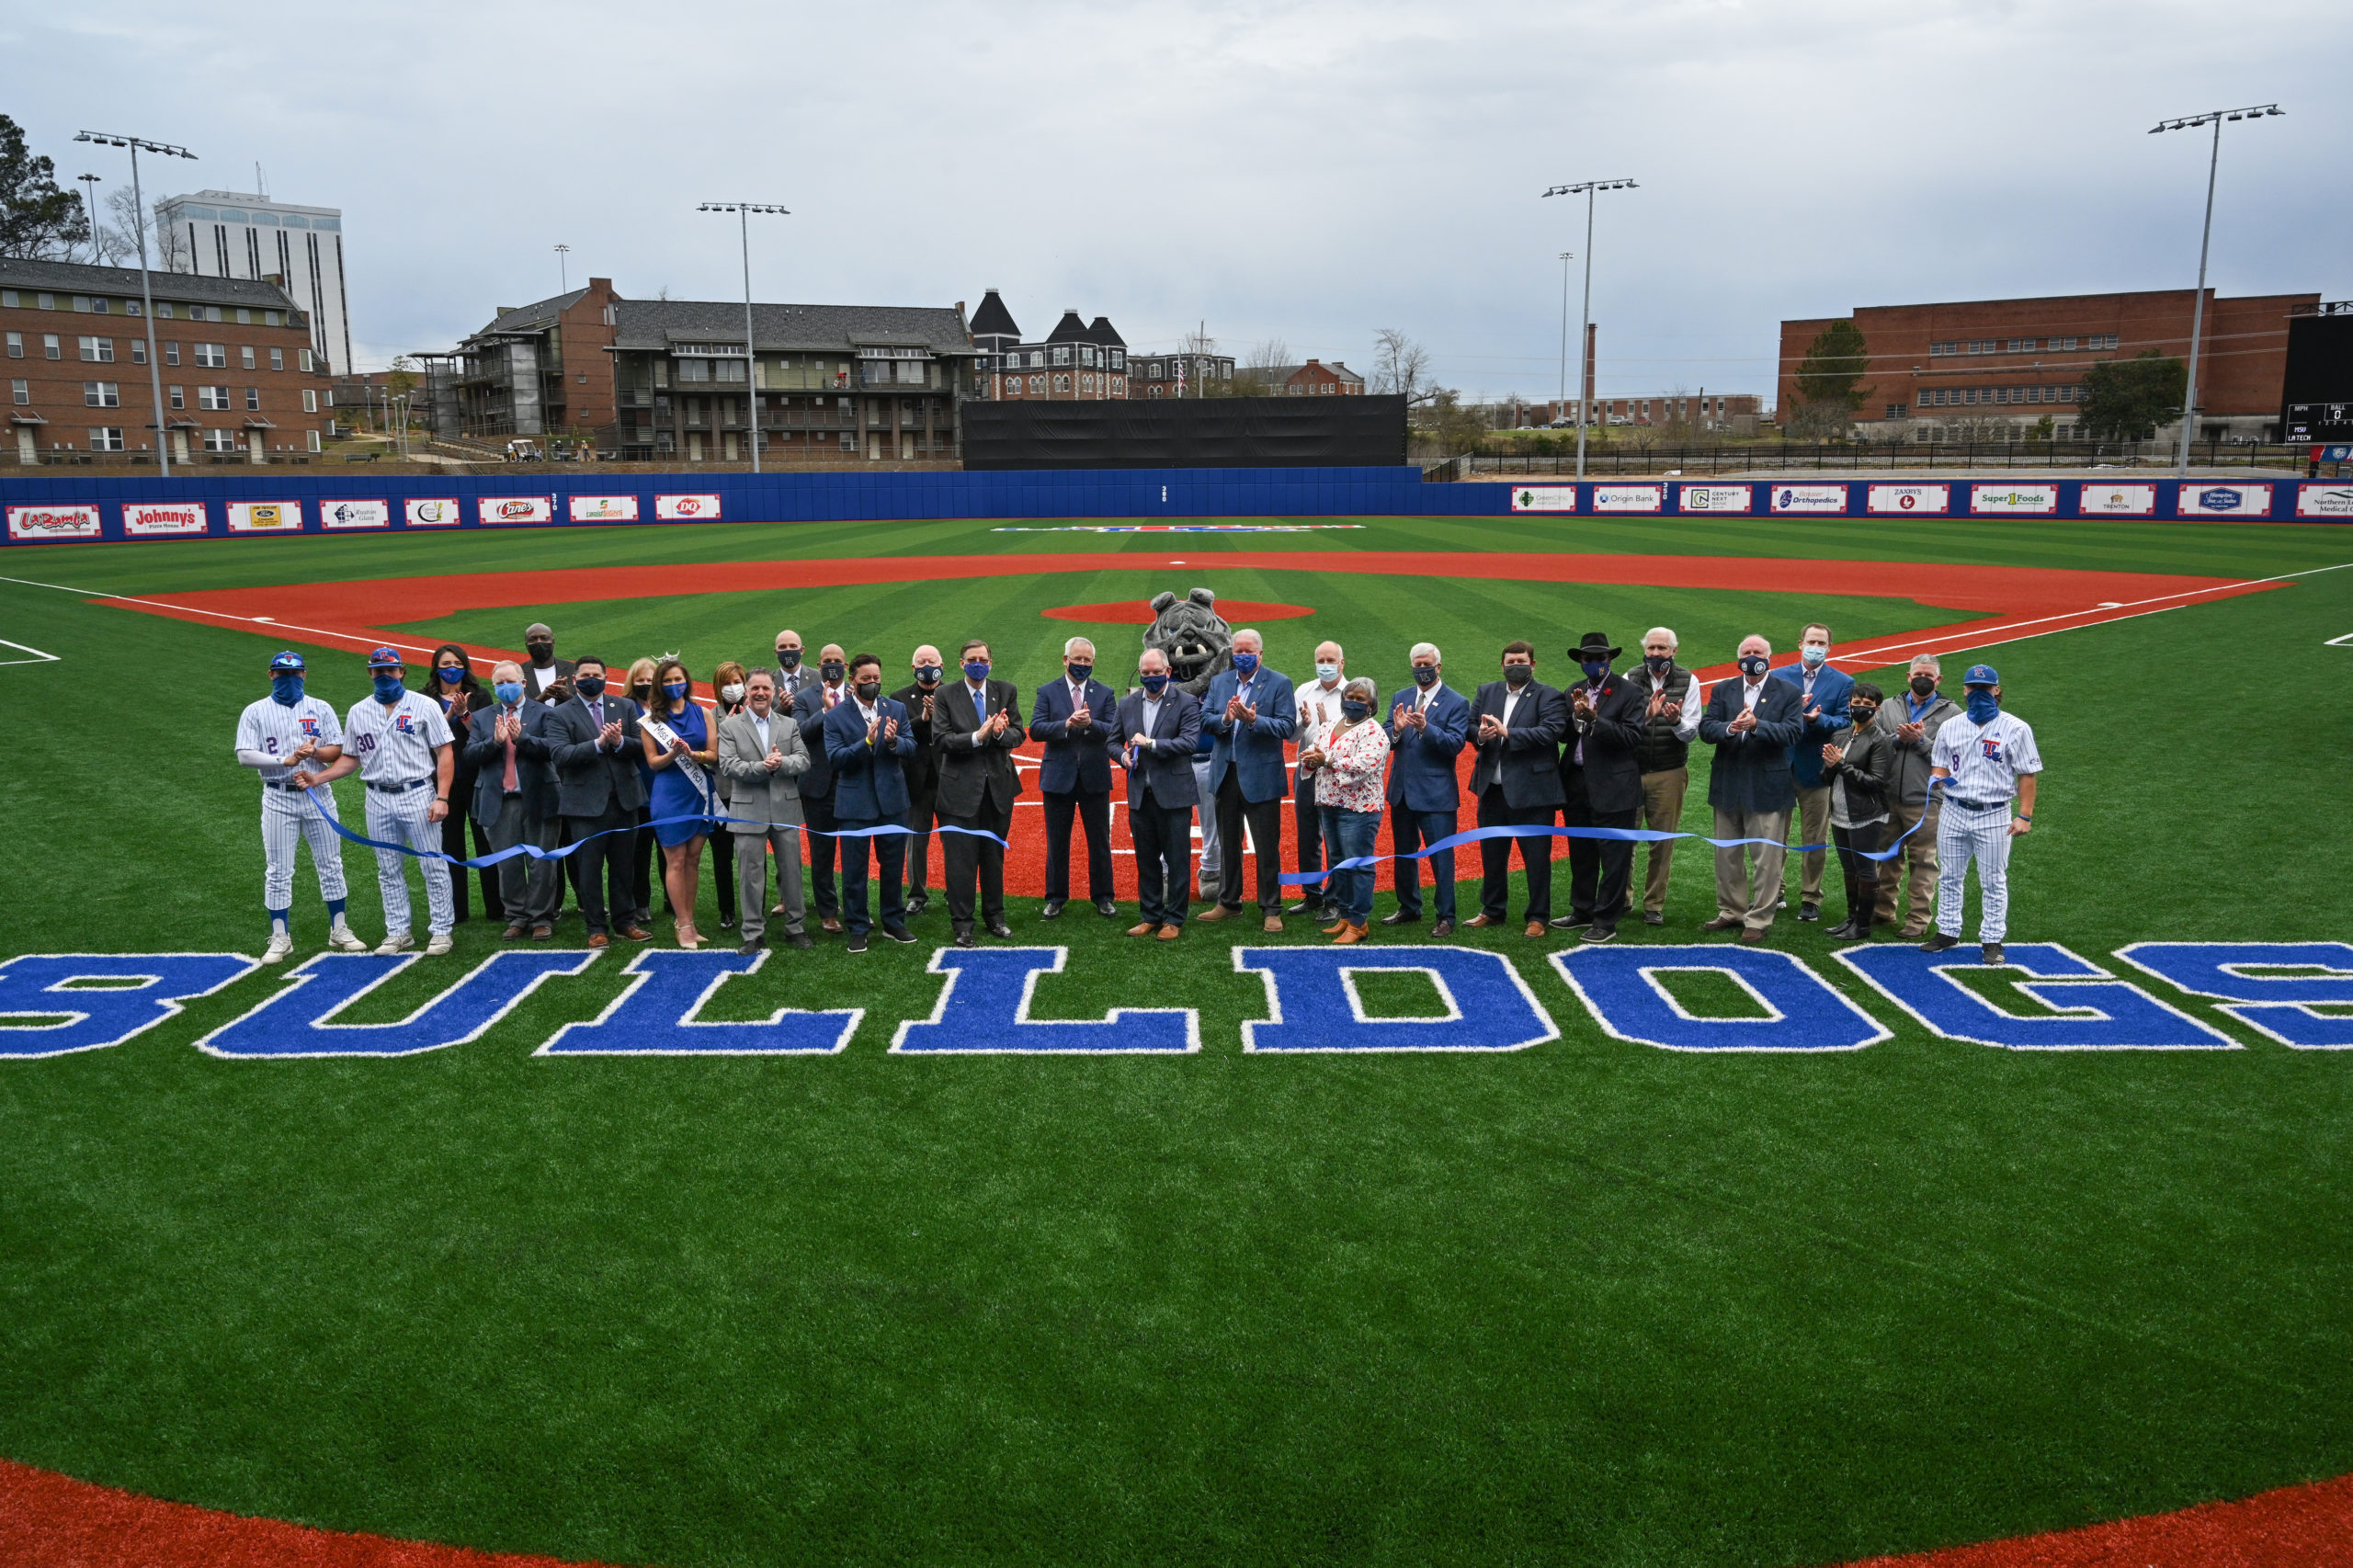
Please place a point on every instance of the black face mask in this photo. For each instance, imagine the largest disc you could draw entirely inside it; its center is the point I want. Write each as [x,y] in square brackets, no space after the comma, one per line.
[787,658]
[831,671]
[1923,685]
[1519,675]
[867,690]
[1862,712]
[1659,663]
[542,654]
[927,674]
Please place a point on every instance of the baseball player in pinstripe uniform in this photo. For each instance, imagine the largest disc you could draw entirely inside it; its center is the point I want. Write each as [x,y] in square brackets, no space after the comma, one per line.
[275,736]
[400,743]
[1987,757]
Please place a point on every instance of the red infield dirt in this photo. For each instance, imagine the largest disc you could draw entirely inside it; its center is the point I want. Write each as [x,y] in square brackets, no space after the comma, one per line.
[2020,602]
[54,1521]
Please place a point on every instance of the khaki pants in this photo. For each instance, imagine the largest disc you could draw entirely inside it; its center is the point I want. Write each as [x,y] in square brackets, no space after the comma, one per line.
[1916,868]
[1661,812]
[1751,901]
[1813,827]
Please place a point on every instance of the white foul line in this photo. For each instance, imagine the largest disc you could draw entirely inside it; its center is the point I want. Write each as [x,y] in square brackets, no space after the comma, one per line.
[37,656]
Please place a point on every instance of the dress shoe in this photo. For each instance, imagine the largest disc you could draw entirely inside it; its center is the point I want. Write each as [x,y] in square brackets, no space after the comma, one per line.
[1598,933]
[1722,923]
[727,923]
[1053,908]
[1571,922]
[964,937]
[1219,912]
[1443,928]
[637,932]
[1107,908]
[1940,943]
[1844,928]
[1304,905]
[1752,937]
[1334,928]
[1535,928]
[1991,952]
[1809,911]
[1349,932]
[778,909]
[1144,928]
[1170,933]
[1400,917]
[917,904]
[857,943]
[1000,930]
[830,925]
[898,932]
[542,931]
[1654,917]
[800,939]
[598,939]
[1482,920]
[1271,925]
[513,933]
[754,944]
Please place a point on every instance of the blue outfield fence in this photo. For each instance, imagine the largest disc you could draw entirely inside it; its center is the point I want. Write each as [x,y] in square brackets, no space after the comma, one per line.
[63,510]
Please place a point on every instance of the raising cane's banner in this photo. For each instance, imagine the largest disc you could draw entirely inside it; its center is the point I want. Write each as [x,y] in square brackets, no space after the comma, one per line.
[150,520]
[686,508]
[495,509]
[35,525]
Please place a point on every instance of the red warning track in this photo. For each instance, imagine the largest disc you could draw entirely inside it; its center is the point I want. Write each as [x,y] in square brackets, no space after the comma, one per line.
[56,1521]
[2010,603]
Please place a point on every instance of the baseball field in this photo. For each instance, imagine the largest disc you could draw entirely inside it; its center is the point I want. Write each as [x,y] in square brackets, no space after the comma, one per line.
[1583,1298]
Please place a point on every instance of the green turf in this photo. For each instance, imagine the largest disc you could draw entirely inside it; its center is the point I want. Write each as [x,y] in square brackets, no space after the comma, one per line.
[1589,1302]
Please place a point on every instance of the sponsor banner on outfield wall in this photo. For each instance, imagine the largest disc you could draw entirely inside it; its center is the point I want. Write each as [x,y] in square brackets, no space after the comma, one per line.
[438,512]
[1544,498]
[1809,498]
[356,514]
[265,517]
[604,508]
[1716,498]
[35,525]
[1924,500]
[2200,498]
[1651,498]
[2118,500]
[703,508]
[517,509]
[2014,500]
[149,519]
[2324,499]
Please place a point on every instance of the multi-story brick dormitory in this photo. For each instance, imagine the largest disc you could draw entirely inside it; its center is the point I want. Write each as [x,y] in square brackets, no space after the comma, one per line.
[1993,368]
[241,382]
[1079,361]
[671,378]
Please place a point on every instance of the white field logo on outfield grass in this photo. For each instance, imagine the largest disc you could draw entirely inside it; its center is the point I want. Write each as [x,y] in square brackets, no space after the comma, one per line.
[2049,999]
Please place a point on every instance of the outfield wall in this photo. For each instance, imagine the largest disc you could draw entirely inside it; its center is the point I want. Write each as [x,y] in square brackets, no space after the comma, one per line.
[58,510]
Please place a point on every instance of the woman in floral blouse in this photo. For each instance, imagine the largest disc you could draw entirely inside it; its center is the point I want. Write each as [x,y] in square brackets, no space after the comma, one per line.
[1350,767]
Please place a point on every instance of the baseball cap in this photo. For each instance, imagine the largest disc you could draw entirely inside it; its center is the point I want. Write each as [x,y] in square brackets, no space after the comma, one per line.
[1981,675]
[286,661]
[384,656]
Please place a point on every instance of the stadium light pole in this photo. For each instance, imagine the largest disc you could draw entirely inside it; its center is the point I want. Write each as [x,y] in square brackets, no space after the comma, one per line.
[1567,257]
[563,268]
[1584,328]
[2205,241]
[146,294]
[743,210]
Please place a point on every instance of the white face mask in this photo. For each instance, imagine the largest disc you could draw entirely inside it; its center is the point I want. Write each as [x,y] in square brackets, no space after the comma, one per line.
[732,693]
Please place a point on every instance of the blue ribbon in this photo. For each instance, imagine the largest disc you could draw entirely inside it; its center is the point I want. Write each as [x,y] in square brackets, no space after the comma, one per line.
[1616,834]
[536,853]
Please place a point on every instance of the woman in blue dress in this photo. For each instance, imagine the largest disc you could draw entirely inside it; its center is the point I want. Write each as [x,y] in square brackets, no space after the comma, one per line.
[684,785]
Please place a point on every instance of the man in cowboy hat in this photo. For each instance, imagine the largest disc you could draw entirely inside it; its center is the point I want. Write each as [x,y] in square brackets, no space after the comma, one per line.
[1601,785]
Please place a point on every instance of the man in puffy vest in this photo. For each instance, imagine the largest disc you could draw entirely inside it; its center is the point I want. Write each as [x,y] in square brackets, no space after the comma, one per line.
[1670,718]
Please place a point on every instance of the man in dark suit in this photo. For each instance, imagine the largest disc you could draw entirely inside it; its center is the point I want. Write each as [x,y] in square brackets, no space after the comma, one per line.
[1250,710]
[546,678]
[592,742]
[1601,786]
[1516,724]
[792,676]
[923,772]
[1073,717]
[816,699]
[515,798]
[1752,723]
[1428,722]
[978,723]
[867,741]
[1152,733]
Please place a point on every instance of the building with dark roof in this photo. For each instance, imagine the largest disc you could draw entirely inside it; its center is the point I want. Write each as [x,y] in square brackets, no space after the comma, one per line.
[1315,379]
[1182,373]
[1078,361]
[240,376]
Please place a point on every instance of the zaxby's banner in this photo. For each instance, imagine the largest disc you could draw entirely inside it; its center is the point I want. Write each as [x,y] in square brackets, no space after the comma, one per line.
[1899,500]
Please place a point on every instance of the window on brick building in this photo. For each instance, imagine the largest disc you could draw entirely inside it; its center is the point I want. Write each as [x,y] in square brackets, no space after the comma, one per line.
[246,354]
[278,359]
[102,394]
[252,400]
[171,353]
[212,397]
[20,391]
[98,350]
[178,396]
[1062,381]
[138,351]
[49,347]
[105,438]
[219,440]
[15,346]
[212,356]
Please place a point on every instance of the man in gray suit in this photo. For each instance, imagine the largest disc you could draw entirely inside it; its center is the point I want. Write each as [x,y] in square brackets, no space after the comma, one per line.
[1752,723]
[763,756]
[515,798]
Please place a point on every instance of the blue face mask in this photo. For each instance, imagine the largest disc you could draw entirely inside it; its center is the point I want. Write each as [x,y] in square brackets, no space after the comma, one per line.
[1425,675]
[1155,684]
[1327,672]
[509,691]
[286,690]
[1354,710]
[1983,706]
[976,669]
[1755,665]
[676,690]
[389,689]
[927,674]
[1814,653]
[589,685]
[1596,668]
[1246,663]
[1082,673]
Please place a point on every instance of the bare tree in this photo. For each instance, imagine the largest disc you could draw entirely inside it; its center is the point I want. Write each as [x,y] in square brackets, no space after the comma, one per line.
[1400,366]
[1255,376]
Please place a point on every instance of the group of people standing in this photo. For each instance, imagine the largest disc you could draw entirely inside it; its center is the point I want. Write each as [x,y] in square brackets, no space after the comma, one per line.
[632,767]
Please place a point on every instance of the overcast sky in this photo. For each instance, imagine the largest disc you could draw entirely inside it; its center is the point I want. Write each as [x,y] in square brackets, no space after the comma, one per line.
[1308,172]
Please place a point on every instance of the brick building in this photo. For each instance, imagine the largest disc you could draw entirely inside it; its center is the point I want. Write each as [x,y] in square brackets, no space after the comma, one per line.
[241,378]
[1728,413]
[1315,379]
[1994,369]
[1079,361]
[1180,373]
[538,369]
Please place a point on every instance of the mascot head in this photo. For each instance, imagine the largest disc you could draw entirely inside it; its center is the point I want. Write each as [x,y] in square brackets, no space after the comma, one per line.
[1195,637]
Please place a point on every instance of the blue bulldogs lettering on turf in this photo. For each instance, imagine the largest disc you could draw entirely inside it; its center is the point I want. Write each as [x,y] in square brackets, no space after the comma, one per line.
[656,1016]
[2091,1010]
[136,992]
[2279,1005]
[297,1021]
[1803,1012]
[984,1007]
[1313,1005]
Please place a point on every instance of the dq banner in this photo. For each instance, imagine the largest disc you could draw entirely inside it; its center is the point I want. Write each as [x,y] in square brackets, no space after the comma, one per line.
[440,512]
[1894,499]
[37,525]
[148,520]
[604,508]
[265,517]
[518,509]
[356,514]
[686,508]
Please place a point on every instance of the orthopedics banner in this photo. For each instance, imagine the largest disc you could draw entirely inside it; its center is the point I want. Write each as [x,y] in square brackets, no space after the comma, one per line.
[604,508]
[2013,500]
[356,514]
[2203,498]
[435,512]
[702,508]
[2117,501]
[265,517]
[518,509]
[1897,500]
[1823,498]
[34,525]
[1717,498]
[152,519]
[1544,498]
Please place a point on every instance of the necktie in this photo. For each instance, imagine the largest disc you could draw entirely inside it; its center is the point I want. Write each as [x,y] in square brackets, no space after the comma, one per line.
[509,782]
[832,698]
